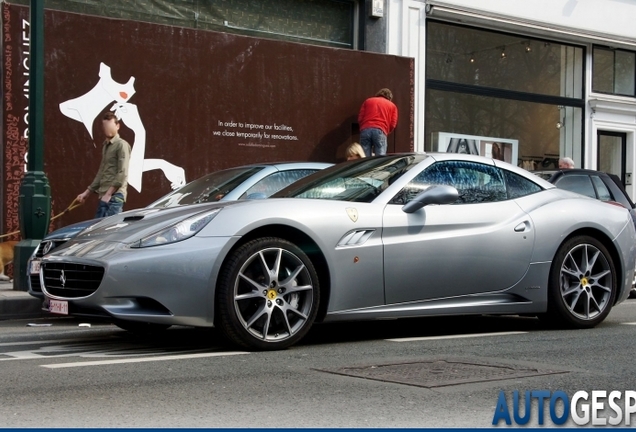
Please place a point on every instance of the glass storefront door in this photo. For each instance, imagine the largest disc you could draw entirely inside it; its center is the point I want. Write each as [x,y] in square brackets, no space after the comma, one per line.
[611,153]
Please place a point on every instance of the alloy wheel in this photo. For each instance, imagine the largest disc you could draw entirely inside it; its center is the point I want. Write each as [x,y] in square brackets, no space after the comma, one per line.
[273,294]
[586,281]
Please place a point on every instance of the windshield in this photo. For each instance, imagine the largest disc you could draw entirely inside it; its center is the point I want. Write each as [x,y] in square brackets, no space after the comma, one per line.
[209,188]
[358,181]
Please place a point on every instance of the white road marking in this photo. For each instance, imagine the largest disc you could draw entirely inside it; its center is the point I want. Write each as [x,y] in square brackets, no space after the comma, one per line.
[37,342]
[425,338]
[143,359]
[629,323]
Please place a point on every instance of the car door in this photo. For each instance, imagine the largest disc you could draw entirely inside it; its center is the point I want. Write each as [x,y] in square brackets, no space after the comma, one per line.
[482,243]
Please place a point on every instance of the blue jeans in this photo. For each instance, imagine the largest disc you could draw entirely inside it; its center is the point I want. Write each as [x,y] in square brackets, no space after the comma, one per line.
[373,139]
[112,207]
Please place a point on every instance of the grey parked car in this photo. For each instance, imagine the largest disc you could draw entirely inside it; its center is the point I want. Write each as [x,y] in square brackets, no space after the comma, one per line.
[243,182]
[595,184]
[383,237]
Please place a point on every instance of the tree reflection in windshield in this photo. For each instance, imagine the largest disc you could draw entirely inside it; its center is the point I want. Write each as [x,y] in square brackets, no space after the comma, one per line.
[209,188]
[361,180]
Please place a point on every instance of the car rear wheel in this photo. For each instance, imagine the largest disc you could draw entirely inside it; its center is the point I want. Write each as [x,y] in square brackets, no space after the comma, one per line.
[268,295]
[582,284]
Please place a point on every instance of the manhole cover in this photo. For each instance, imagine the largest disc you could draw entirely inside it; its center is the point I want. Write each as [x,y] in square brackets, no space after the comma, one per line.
[440,373]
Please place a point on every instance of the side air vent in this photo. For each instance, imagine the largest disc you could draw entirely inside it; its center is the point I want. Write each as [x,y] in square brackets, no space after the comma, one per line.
[355,238]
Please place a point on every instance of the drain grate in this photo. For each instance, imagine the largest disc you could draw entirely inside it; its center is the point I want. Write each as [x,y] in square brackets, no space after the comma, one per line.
[440,373]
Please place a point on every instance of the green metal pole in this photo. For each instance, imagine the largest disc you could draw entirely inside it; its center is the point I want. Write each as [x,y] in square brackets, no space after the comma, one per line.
[35,192]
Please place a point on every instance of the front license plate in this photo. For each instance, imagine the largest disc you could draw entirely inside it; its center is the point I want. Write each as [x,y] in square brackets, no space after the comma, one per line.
[58,307]
[34,267]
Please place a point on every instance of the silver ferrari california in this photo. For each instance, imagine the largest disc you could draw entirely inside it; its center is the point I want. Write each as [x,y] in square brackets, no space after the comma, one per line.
[384,237]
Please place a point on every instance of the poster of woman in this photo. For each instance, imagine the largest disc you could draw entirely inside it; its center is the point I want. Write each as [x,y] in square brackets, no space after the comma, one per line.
[462,145]
[503,149]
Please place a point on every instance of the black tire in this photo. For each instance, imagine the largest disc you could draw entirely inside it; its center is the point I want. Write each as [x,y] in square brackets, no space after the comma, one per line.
[582,285]
[141,327]
[261,308]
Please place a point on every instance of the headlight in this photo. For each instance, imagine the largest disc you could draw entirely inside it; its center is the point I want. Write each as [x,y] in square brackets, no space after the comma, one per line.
[179,231]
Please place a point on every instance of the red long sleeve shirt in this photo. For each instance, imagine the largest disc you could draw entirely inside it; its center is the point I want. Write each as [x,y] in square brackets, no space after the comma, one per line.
[378,112]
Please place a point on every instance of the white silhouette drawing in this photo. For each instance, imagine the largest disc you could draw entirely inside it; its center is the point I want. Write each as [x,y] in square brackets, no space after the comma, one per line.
[87,107]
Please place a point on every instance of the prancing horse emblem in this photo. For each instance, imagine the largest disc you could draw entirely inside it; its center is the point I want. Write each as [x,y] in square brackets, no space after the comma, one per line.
[352,213]
[63,279]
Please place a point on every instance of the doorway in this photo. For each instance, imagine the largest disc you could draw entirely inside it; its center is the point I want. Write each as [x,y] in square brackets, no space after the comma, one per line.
[612,149]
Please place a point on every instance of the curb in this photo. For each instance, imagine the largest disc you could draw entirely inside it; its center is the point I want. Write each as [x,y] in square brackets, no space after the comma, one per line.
[18,304]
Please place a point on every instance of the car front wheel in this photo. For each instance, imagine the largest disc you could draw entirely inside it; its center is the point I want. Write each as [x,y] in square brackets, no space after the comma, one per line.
[267,295]
[582,284]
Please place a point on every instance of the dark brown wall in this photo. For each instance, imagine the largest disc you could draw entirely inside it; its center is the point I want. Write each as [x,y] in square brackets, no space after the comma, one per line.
[188,84]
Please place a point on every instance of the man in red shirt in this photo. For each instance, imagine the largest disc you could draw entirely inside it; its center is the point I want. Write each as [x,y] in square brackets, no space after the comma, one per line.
[377,118]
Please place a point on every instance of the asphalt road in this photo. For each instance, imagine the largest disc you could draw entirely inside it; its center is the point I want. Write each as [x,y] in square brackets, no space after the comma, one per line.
[433,372]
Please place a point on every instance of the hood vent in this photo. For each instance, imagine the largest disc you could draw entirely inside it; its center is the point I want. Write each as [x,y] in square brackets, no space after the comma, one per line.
[133,218]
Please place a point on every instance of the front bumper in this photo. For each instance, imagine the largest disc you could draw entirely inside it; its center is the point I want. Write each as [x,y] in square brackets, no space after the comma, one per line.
[168,284]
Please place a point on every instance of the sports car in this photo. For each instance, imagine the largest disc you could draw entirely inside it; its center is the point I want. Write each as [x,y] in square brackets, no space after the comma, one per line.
[403,235]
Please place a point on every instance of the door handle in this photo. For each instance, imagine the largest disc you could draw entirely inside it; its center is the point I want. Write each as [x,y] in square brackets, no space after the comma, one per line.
[523,226]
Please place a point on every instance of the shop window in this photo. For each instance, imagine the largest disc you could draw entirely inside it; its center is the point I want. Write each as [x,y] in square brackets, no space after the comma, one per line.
[539,128]
[512,87]
[614,71]
[471,56]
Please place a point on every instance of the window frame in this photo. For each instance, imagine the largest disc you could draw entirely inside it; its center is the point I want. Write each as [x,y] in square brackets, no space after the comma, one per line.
[613,51]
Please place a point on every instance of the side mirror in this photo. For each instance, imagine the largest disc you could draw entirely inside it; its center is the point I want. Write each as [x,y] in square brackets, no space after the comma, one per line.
[438,194]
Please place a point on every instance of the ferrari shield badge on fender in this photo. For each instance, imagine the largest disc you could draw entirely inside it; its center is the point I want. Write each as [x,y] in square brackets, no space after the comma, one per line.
[352,213]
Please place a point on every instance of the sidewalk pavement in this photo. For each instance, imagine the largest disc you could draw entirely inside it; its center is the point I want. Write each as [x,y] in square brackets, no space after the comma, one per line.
[18,304]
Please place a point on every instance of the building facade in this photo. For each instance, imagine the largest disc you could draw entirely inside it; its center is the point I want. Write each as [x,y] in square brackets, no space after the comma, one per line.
[200,85]
[542,79]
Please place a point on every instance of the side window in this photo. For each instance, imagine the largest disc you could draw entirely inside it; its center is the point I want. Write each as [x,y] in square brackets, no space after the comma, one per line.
[580,184]
[601,189]
[518,186]
[275,182]
[475,183]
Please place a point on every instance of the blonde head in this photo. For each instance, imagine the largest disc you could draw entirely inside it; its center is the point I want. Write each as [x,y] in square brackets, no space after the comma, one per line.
[354,151]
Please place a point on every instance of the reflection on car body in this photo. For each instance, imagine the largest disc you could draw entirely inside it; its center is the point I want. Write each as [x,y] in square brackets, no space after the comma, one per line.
[245,182]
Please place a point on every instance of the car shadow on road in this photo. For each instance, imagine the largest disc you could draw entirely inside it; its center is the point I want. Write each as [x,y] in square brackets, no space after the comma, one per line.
[325,333]
[179,338]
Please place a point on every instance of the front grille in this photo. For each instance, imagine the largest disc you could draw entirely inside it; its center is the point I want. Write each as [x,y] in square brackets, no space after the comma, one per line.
[71,280]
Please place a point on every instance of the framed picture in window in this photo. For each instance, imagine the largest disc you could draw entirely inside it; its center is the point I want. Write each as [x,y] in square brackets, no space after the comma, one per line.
[504,149]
